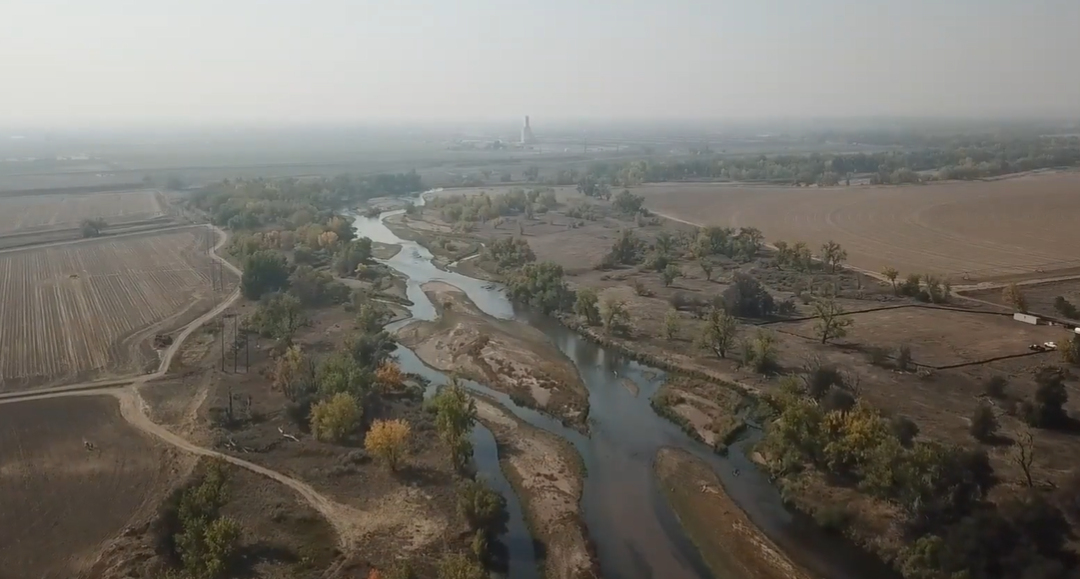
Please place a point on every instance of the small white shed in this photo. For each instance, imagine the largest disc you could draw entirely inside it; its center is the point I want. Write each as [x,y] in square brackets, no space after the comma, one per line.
[1026,318]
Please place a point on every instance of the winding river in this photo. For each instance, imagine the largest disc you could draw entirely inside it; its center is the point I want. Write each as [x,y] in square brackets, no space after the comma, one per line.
[637,535]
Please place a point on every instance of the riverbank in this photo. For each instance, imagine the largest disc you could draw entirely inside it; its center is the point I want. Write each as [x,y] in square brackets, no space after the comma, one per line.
[705,410]
[731,544]
[547,475]
[506,355]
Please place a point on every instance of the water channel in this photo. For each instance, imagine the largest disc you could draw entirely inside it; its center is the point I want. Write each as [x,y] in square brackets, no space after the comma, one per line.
[636,534]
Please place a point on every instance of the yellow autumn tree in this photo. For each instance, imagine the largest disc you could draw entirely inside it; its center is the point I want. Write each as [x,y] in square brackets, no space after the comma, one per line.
[287,368]
[388,440]
[333,419]
[389,376]
[328,240]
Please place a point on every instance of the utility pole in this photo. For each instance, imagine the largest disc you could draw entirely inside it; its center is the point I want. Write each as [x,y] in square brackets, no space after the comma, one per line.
[235,344]
[222,344]
[247,352]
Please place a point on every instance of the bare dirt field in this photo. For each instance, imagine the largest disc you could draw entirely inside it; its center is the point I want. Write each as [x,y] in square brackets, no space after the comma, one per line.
[45,212]
[937,337]
[80,309]
[1040,296]
[59,501]
[979,229]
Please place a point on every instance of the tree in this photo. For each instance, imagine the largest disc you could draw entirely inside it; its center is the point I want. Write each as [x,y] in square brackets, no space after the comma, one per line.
[370,314]
[747,297]
[984,425]
[996,385]
[388,440]
[671,324]
[541,285]
[509,252]
[1023,454]
[92,227]
[831,322]
[458,566]
[706,268]
[626,250]
[316,288]
[833,255]
[627,202]
[719,333]
[532,173]
[760,353]
[206,541]
[455,415]
[389,376]
[332,420]
[1066,308]
[1014,296]
[278,316]
[1070,350]
[891,274]
[669,274]
[354,253]
[587,306]
[483,508]
[613,315]
[1047,410]
[264,271]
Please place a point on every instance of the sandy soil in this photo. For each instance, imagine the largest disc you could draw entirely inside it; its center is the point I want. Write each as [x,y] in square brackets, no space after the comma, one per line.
[60,501]
[731,545]
[546,473]
[981,229]
[384,250]
[506,355]
[708,409]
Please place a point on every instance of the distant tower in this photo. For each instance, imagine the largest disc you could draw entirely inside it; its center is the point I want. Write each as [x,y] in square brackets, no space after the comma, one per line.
[527,137]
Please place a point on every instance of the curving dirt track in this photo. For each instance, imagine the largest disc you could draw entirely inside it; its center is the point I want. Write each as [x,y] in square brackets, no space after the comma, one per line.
[982,230]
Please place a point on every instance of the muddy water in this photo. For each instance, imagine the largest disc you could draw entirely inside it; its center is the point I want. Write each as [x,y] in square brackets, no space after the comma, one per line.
[636,534]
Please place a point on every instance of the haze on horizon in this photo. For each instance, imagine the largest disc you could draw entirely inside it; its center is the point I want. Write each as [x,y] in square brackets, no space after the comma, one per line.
[130,61]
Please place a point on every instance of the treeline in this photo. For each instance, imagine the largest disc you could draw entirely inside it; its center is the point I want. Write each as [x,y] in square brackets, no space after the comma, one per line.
[949,526]
[254,203]
[977,159]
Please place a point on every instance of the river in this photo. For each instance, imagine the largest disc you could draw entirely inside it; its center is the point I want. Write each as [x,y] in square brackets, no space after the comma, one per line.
[637,535]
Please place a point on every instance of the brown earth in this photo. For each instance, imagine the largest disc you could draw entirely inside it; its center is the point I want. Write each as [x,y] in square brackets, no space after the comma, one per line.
[546,472]
[506,355]
[707,410]
[974,229]
[1040,296]
[62,501]
[730,544]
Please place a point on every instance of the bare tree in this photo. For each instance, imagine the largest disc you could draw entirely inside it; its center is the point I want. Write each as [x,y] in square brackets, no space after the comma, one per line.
[831,322]
[891,274]
[1023,453]
[833,255]
[1013,296]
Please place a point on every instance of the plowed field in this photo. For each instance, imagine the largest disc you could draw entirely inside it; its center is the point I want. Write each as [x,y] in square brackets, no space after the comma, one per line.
[60,500]
[46,212]
[79,309]
[977,230]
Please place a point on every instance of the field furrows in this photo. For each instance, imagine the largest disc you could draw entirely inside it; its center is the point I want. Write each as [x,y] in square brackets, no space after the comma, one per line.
[58,211]
[66,309]
[968,230]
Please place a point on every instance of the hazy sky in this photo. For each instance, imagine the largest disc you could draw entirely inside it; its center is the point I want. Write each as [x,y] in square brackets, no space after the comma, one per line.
[329,60]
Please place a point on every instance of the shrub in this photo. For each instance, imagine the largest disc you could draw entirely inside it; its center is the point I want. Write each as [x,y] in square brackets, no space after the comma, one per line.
[984,425]
[903,358]
[878,356]
[1066,308]
[996,385]
[458,566]
[388,440]
[334,419]
[904,429]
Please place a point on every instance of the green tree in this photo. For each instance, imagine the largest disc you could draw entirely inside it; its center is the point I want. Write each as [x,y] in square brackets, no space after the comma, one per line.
[92,227]
[718,335]
[1047,409]
[277,316]
[706,268]
[587,306]
[339,373]
[483,508]
[334,419]
[627,202]
[542,286]
[626,250]
[351,255]
[665,243]
[671,324]
[508,252]
[613,315]
[264,272]
[370,314]
[669,274]
[455,416]
[831,322]
[457,566]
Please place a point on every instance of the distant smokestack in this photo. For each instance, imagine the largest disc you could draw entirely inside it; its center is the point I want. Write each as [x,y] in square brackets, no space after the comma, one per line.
[527,121]
[527,137]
